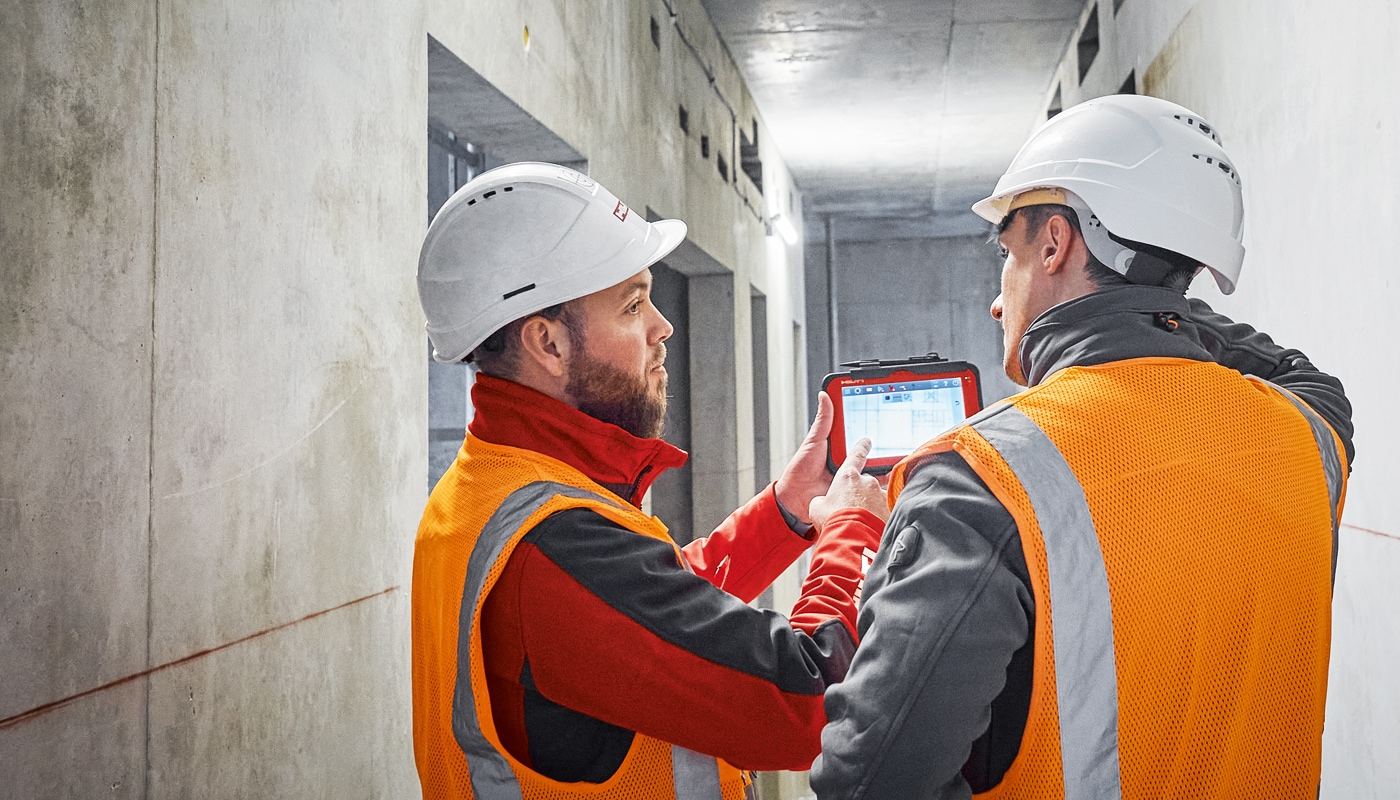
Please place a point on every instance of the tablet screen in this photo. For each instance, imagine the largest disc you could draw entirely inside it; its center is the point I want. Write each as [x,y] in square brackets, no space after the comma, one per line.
[899,416]
[898,407]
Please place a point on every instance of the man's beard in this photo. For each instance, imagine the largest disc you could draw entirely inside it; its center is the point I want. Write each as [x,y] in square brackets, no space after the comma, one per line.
[624,399]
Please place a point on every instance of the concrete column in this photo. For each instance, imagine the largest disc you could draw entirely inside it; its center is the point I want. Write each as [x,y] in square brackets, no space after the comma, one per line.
[77,107]
[672,496]
[714,402]
[818,318]
[290,395]
[214,401]
[762,427]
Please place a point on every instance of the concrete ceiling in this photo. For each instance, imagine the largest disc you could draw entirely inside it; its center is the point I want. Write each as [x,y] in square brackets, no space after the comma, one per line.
[897,108]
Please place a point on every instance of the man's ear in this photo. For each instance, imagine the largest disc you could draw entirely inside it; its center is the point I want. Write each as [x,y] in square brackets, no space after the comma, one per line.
[545,342]
[1056,242]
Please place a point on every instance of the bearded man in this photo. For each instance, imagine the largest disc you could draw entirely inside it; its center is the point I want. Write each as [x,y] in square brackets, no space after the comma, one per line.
[563,644]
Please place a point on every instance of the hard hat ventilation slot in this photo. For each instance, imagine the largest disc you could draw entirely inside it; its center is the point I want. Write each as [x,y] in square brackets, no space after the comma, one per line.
[508,189]
[521,290]
[489,195]
[1225,168]
[1199,125]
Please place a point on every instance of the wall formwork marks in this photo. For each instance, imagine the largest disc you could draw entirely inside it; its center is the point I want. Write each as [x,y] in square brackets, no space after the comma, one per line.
[213,400]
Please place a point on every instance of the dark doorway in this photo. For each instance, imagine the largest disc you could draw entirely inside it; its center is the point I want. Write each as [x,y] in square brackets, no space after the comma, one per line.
[451,163]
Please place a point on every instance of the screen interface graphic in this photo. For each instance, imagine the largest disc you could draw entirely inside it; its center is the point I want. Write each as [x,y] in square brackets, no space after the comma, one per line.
[898,417]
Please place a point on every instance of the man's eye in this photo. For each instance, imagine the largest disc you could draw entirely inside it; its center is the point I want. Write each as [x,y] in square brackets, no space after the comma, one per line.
[635,307]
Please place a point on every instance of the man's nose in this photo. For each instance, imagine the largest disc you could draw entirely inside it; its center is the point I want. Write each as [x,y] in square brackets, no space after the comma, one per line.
[662,328]
[996,309]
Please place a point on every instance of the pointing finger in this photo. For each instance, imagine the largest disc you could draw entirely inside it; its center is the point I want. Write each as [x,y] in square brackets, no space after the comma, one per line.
[855,460]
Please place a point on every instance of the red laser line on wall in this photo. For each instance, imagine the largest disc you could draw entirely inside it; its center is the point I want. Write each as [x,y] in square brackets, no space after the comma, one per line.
[1373,533]
[25,716]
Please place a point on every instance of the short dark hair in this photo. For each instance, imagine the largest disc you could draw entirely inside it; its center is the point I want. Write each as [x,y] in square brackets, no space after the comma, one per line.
[1160,268]
[499,355]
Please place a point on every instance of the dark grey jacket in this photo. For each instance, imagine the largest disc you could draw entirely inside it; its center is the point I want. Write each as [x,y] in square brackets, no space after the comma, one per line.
[937,697]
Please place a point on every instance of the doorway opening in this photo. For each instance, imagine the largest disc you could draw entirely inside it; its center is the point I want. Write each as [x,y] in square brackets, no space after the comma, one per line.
[472,127]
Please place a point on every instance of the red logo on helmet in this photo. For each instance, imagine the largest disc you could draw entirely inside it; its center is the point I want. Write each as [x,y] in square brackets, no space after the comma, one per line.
[621,211]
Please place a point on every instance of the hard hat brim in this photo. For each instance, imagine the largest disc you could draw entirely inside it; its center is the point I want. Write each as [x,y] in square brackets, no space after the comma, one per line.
[672,233]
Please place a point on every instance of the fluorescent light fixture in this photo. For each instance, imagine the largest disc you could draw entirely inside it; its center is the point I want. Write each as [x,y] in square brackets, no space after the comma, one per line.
[781,225]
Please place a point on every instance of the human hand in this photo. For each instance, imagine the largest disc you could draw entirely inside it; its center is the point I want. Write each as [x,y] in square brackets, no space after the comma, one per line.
[850,489]
[805,476]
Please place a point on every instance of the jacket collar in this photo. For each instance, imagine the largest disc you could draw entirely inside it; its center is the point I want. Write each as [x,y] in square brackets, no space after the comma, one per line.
[507,413]
[1112,324]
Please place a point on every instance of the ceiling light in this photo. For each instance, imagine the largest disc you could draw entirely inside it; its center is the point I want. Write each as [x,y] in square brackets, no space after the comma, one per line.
[782,226]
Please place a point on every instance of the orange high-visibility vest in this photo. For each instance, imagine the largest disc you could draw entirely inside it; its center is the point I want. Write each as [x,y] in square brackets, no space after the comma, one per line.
[1179,526]
[488,500]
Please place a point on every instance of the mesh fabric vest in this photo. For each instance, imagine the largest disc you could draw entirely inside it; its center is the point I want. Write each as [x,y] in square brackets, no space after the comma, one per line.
[487,501]
[1196,618]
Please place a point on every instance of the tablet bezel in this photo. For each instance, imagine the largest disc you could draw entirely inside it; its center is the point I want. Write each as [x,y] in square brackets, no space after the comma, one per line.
[883,373]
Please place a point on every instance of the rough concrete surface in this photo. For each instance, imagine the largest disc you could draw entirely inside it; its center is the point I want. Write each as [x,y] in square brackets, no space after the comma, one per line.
[907,108]
[95,748]
[309,711]
[905,297]
[592,75]
[714,403]
[210,219]
[76,104]
[290,384]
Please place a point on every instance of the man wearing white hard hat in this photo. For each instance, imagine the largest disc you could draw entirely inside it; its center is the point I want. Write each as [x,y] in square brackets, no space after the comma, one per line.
[1118,582]
[563,645]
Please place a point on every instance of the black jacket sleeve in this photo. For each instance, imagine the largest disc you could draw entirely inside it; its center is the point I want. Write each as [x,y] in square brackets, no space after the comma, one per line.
[948,612]
[1251,352]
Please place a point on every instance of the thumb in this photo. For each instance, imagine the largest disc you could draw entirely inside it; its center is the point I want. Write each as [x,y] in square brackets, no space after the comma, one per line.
[821,426]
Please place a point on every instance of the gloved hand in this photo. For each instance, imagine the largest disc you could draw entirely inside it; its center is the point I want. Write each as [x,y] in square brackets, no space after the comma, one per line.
[805,476]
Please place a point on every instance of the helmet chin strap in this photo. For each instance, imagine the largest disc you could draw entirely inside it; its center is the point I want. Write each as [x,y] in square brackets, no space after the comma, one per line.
[1110,252]
[1134,265]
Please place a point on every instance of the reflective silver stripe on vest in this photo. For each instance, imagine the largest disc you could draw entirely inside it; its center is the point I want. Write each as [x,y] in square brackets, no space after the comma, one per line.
[1086,677]
[1331,462]
[696,777]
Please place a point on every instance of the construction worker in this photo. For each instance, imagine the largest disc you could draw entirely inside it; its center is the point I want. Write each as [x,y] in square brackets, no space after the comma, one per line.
[1118,582]
[563,645]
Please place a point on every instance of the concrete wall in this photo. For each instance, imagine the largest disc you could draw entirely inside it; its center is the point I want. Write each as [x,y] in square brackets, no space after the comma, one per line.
[213,407]
[1303,95]
[213,403]
[903,297]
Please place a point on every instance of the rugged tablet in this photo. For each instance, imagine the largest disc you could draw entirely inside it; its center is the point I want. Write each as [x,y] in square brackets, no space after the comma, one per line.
[898,405]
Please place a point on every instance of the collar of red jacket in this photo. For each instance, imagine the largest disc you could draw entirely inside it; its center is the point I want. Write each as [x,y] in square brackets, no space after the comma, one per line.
[507,413]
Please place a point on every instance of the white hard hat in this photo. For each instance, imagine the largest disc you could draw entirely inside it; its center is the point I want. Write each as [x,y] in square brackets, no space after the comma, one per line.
[524,237]
[1151,172]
